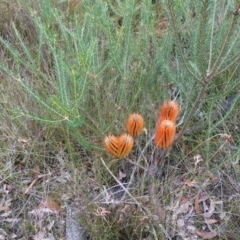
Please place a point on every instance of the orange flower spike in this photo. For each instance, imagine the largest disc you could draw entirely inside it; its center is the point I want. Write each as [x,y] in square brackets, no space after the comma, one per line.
[125,145]
[111,144]
[165,134]
[135,124]
[169,111]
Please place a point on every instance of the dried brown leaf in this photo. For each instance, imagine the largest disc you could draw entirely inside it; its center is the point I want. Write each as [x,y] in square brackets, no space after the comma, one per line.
[160,212]
[196,204]
[185,203]
[51,205]
[203,197]
[191,229]
[43,235]
[35,175]
[211,221]
[180,223]
[189,183]
[36,171]
[206,234]
[101,212]
[145,131]
[143,220]
[184,206]
[121,174]
[197,159]
[169,85]
[209,210]
[226,137]
[4,208]
[23,142]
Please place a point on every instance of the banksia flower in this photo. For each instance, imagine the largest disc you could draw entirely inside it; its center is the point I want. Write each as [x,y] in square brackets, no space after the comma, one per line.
[125,145]
[111,144]
[135,124]
[169,111]
[165,134]
[119,146]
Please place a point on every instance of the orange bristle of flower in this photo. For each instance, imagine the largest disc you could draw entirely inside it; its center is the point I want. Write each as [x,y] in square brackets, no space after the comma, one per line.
[169,111]
[165,134]
[135,124]
[125,145]
[112,144]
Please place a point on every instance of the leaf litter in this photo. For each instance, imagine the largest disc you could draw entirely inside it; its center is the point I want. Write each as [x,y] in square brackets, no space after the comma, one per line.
[187,209]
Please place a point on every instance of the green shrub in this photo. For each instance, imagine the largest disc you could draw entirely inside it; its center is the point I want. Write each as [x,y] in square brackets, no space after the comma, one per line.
[86,65]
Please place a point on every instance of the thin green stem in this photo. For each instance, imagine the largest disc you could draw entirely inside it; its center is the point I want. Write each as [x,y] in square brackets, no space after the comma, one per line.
[211,39]
[229,51]
[178,42]
[192,111]
[210,74]
[226,41]
[120,184]
[226,68]
[201,39]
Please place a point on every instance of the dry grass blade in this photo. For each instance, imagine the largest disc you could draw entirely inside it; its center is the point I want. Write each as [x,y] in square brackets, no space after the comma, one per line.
[36,171]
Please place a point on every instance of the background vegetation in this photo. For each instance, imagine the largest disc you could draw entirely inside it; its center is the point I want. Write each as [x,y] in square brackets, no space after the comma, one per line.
[72,71]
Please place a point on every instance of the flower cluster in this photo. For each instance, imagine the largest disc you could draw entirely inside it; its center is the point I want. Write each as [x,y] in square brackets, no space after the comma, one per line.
[119,146]
[165,132]
[122,145]
[166,124]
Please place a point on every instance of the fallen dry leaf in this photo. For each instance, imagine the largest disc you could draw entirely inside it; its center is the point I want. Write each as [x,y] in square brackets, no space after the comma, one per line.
[42,235]
[101,212]
[192,229]
[211,221]
[226,137]
[23,141]
[35,175]
[208,211]
[180,223]
[145,131]
[36,171]
[51,205]
[185,203]
[121,174]
[206,234]
[3,234]
[196,203]
[160,211]
[189,183]
[197,159]
[184,206]
[142,220]
[4,208]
